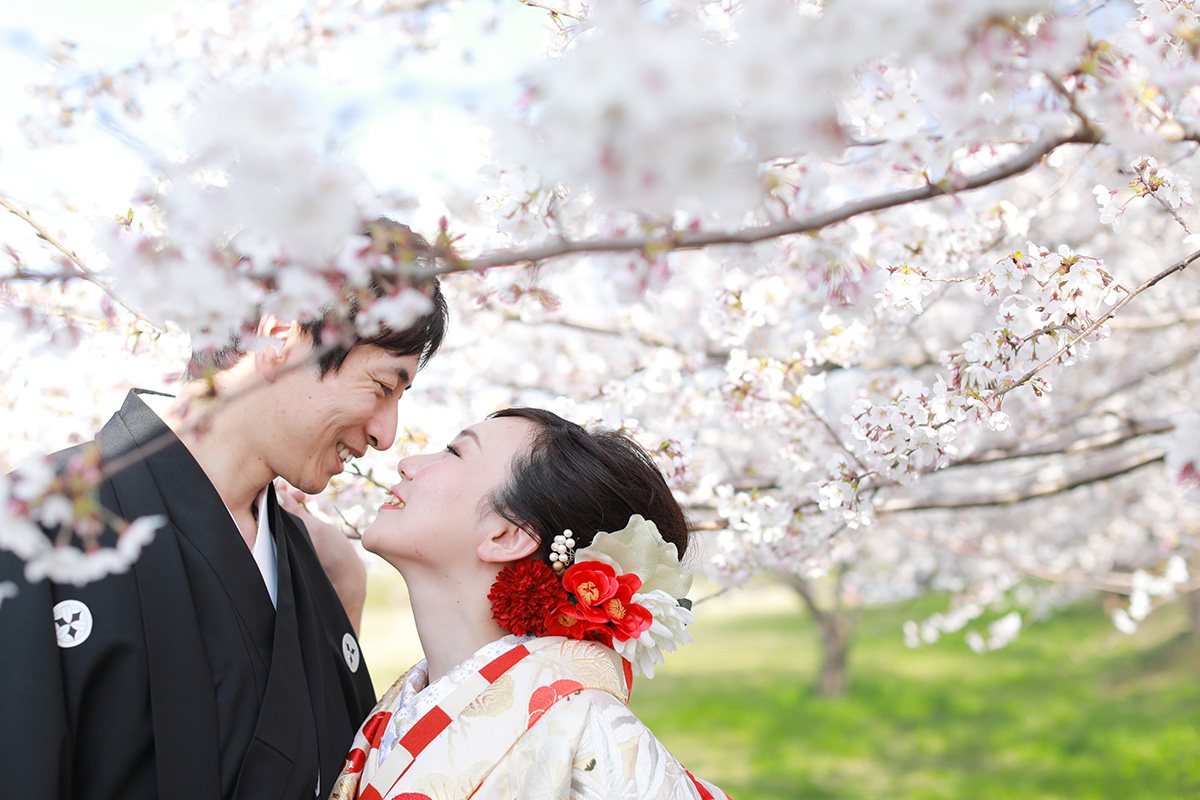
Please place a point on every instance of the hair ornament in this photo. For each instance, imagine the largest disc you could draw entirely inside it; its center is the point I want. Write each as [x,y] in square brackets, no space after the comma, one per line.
[562,551]
[622,590]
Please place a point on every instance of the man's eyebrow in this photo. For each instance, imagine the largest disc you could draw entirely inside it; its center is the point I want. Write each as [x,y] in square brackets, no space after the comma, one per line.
[405,379]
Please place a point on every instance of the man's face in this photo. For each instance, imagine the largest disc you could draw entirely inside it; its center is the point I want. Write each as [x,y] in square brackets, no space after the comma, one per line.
[323,422]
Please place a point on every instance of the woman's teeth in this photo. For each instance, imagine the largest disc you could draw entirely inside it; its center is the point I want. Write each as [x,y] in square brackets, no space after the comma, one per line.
[394,501]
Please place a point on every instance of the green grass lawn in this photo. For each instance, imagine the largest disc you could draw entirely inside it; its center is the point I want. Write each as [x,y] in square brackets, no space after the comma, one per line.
[1072,709]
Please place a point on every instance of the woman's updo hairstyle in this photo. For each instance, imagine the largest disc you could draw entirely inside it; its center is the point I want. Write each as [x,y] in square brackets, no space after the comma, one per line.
[585,481]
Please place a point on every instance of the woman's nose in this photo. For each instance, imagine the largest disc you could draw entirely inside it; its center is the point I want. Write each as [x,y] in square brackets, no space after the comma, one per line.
[406,468]
[410,465]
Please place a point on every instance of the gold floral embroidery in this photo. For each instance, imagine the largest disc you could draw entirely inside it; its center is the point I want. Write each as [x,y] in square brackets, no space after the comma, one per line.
[589,664]
[494,700]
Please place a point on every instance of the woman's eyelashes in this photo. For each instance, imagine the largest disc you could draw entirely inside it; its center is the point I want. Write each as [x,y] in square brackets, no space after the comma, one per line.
[452,450]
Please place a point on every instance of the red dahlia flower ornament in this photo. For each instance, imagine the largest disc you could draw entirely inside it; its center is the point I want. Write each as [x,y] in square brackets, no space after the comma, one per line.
[522,593]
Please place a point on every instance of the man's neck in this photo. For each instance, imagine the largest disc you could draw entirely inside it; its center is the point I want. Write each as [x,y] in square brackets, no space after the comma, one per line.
[213,433]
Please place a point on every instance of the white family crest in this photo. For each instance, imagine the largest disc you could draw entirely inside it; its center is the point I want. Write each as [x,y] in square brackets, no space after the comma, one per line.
[350,652]
[72,623]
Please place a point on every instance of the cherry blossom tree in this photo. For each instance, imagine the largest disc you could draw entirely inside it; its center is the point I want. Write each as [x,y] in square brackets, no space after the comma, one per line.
[901,294]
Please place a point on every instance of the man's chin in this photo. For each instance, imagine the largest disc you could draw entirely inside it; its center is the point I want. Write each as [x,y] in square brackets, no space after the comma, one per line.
[313,486]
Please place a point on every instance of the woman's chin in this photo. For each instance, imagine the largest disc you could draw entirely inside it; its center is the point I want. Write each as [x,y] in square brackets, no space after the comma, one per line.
[371,538]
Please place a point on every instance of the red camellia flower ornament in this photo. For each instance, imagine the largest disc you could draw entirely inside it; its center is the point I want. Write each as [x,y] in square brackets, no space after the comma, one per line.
[567,620]
[604,598]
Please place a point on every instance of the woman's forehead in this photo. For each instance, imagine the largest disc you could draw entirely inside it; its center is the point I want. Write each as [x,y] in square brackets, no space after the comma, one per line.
[500,432]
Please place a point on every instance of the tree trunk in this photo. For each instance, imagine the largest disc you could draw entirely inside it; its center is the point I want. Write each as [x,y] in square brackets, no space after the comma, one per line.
[835,646]
[1193,607]
[836,625]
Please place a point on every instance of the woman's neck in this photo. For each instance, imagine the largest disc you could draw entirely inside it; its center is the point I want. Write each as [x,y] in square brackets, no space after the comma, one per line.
[453,617]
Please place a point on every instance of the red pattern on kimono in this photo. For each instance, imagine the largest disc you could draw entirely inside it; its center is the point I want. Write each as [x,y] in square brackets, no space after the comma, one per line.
[541,718]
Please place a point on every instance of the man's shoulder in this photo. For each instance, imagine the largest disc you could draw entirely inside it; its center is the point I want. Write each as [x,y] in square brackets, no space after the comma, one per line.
[99,467]
[104,445]
[73,454]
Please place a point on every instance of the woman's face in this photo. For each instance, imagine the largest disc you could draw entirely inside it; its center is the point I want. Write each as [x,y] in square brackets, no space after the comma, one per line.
[437,513]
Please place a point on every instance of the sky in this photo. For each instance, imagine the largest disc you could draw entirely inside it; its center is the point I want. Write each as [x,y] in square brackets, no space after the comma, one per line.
[109,33]
[411,134]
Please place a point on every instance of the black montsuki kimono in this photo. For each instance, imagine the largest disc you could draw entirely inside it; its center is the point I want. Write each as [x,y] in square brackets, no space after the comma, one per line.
[188,683]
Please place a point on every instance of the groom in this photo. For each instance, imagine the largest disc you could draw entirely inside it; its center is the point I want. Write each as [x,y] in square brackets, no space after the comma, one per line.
[222,664]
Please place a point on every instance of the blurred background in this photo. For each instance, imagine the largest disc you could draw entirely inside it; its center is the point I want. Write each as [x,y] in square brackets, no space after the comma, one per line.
[1072,710]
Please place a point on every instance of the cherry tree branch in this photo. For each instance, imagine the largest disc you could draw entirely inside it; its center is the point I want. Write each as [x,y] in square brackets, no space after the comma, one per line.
[1167,207]
[704,516]
[1133,431]
[1036,491]
[1022,162]
[1156,322]
[1115,582]
[82,271]
[554,12]
[650,340]
[720,355]
[1104,441]
[1171,270]
[802,588]
[1089,405]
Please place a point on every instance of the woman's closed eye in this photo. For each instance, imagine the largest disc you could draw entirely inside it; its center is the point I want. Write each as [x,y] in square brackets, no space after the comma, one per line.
[452,450]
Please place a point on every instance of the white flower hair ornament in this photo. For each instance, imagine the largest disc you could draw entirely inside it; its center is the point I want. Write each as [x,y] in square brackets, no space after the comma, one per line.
[639,549]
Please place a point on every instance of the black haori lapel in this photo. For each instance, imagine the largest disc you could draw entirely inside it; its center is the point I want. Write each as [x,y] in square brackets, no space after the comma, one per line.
[184,719]
[284,750]
[338,679]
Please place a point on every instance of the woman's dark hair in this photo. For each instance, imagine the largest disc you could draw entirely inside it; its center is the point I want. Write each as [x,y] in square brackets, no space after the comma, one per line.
[585,481]
[421,338]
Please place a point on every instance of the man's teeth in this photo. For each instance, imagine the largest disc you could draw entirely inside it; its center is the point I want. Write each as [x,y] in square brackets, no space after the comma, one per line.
[344,453]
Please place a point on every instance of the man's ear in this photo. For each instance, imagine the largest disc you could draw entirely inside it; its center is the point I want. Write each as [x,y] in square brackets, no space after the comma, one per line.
[274,345]
[506,542]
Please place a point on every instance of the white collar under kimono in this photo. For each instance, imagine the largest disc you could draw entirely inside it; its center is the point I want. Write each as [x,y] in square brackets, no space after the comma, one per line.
[265,557]
[264,550]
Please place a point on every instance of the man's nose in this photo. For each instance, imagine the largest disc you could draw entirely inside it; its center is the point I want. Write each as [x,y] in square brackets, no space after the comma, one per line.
[381,427]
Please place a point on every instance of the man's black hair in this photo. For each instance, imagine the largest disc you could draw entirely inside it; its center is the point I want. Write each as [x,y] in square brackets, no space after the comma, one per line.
[423,337]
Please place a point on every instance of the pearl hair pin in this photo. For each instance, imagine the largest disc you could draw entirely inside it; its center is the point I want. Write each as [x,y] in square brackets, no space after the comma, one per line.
[562,551]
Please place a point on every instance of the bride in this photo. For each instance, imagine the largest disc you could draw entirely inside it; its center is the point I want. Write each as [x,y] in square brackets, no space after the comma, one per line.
[543,565]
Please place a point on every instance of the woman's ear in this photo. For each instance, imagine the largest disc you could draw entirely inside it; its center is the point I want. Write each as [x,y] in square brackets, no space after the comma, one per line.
[506,542]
